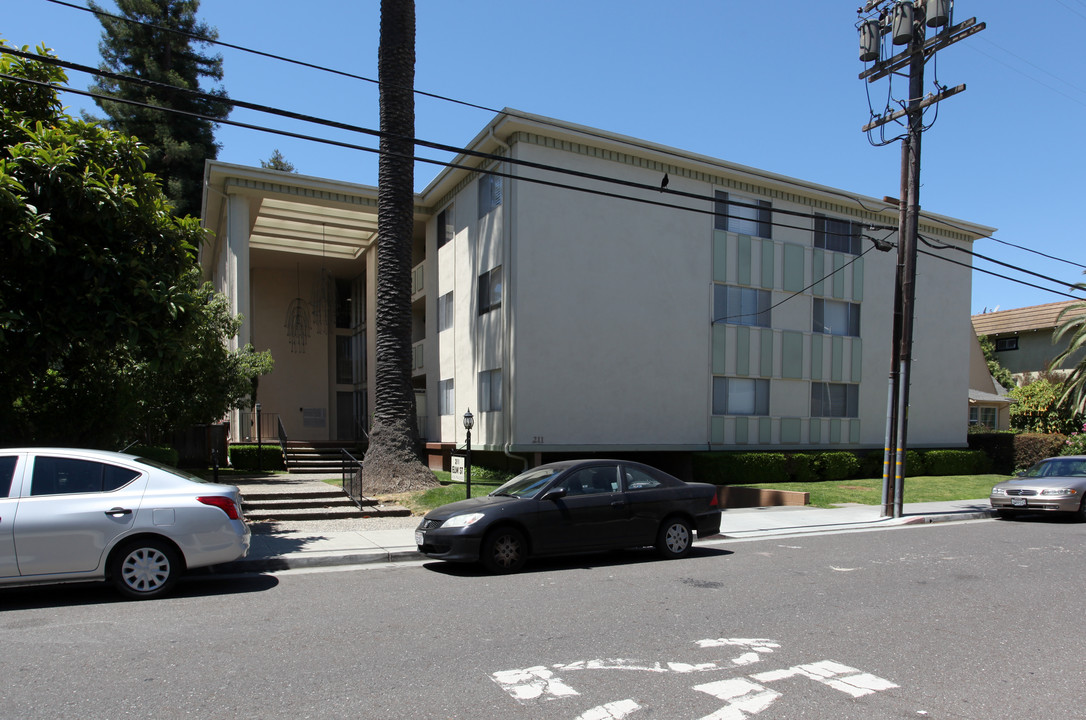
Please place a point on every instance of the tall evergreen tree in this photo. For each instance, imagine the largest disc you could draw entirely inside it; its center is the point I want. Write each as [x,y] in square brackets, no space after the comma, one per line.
[162,41]
[393,460]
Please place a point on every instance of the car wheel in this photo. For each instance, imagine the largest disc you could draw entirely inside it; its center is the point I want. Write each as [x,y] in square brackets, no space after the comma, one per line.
[1082,511]
[505,550]
[675,538]
[145,569]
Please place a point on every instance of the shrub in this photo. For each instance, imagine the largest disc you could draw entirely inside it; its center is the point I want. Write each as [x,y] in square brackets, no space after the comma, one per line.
[1075,444]
[801,468]
[244,457]
[914,464]
[871,464]
[728,468]
[999,447]
[1031,447]
[838,465]
[164,455]
[956,462]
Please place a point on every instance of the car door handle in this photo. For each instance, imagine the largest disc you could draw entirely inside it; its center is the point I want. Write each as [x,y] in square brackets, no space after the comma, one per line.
[618,504]
[118,511]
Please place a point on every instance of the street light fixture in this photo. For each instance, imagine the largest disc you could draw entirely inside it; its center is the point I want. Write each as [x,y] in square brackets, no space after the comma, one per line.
[469,422]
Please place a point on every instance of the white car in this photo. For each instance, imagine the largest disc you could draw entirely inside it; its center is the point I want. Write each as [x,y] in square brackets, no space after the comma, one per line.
[70,515]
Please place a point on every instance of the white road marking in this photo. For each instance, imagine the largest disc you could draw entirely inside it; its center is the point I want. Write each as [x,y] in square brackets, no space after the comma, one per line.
[531,683]
[611,711]
[743,697]
[833,674]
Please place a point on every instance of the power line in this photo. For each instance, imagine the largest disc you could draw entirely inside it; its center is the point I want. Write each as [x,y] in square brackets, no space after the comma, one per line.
[511,113]
[995,274]
[417,141]
[943,246]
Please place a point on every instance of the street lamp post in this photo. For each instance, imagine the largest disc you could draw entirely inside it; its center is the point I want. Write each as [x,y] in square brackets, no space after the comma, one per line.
[469,421]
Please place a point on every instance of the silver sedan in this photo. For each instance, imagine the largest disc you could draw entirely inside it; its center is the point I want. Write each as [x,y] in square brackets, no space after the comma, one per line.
[1056,484]
[71,515]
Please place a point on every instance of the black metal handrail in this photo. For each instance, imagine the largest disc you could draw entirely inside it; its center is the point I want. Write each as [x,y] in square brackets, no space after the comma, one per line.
[282,436]
[351,477]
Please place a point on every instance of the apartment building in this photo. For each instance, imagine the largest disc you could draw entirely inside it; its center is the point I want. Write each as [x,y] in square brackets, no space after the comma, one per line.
[645,298]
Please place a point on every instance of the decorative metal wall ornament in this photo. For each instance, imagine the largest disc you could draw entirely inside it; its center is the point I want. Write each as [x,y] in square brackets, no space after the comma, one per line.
[322,294]
[297,323]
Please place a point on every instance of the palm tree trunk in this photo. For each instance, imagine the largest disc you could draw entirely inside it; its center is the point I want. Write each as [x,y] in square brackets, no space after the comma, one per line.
[393,460]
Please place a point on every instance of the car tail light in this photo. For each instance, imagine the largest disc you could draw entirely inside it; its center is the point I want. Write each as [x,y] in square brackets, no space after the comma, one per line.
[713,502]
[227,505]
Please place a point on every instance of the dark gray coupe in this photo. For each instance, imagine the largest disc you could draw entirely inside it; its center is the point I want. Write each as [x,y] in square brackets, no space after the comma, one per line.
[572,507]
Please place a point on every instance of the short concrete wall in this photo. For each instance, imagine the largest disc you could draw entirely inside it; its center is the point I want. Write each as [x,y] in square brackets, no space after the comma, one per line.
[740,497]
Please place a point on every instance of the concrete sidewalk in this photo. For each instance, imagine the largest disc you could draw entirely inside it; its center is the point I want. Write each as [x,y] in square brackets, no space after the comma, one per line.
[299,549]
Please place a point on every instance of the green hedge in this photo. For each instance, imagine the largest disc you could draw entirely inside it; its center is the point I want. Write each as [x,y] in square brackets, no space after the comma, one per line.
[741,468]
[164,455]
[837,465]
[1033,447]
[244,457]
[956,462]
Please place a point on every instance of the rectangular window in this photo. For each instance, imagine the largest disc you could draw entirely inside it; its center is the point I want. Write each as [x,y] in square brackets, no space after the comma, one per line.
[446,398]
[344,361]
[490,290]
[834,317]
[445,228]
[743,215]
[1009,343]
[445,312]
[835,400]
[490,193]
[988,416]
[490,390]
[740,396]
[741,306]
[974,416]
[838,235]
[344,302]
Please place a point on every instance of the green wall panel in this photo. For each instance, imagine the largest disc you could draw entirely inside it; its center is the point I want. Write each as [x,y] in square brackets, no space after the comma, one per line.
[720,256]
[742,431]
[790,431]
[858,280]
[769,264]
[793,268]
[765,431]
[838,275]
[857,360]
[792,355]
[818,271]
[837,358]
[742,350]
[766,360]
[835,431]
[854,432]
[743,263]
[720,356]
[716,431]
[815,436]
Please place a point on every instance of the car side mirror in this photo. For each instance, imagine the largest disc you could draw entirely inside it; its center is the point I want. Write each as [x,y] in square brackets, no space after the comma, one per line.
[555,494]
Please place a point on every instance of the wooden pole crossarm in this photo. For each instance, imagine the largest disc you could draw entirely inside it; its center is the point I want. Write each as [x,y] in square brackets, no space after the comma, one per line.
[926,102]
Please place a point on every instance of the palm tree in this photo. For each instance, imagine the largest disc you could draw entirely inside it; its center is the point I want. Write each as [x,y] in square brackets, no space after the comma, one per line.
[1072,320]
[393,462]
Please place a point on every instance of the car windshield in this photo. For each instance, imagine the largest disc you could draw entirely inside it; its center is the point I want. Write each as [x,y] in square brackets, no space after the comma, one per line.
[528,484]
[1058,468]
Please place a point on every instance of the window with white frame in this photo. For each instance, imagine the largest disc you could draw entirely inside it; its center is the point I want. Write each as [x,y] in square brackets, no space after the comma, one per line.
[490,193]
[490,290]
[490,390]
[741,305]
[982,416]
[445,229]
[743,215]
[834,317]
[445,312]
[835,400]
[838,235]
[740,396]
[446,398]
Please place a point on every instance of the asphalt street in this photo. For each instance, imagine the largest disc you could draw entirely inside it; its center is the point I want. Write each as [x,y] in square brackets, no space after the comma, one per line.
[958,620]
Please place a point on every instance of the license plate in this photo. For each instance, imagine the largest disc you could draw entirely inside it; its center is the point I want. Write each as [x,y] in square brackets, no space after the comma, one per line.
[418,538]
[1016,502]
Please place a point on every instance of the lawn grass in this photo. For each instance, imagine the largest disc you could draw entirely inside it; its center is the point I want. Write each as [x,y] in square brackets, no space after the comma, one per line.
[869,491]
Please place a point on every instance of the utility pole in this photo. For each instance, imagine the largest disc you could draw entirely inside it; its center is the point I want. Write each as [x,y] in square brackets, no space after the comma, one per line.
[905,22]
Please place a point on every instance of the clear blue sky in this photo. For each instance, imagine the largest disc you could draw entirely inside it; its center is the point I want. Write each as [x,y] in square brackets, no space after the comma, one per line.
[771,85]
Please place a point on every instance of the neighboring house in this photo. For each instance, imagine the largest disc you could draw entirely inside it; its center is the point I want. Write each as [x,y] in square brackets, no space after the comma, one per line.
[989,404]
[740,308]
[1023,338]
